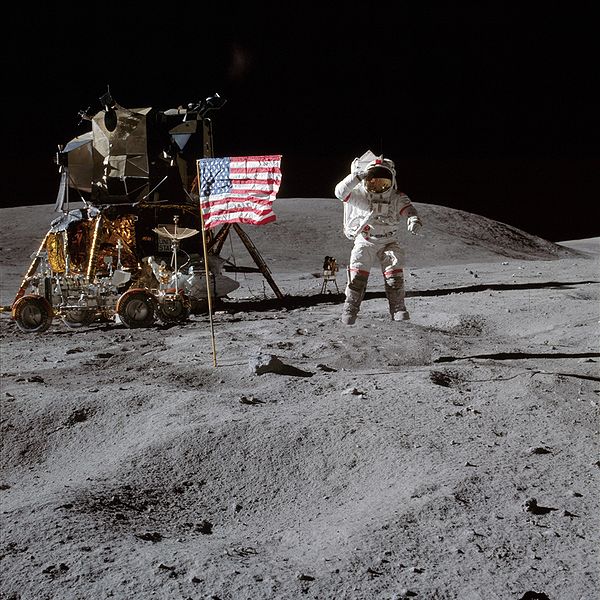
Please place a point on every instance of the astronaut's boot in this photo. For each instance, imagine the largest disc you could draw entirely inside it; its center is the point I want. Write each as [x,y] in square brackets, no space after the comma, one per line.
[351,306]
[355,292]
[395,296]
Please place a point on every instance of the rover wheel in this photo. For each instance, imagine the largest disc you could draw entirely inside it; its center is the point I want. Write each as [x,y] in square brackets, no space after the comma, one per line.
[136,308]
[33,314]
[174,309]
[77,318]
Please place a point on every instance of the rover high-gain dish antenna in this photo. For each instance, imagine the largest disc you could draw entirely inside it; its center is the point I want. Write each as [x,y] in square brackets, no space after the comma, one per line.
[175,234]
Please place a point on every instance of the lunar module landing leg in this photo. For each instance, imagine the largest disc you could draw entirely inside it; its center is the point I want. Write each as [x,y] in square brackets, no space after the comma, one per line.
[261,265]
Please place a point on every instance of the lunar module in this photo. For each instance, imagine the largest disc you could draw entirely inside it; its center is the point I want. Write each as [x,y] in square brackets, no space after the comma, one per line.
[131,250]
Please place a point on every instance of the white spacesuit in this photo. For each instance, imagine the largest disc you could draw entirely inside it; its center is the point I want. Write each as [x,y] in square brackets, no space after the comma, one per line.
[373,209]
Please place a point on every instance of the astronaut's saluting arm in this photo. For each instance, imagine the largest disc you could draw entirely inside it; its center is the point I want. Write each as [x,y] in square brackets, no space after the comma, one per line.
[346,185]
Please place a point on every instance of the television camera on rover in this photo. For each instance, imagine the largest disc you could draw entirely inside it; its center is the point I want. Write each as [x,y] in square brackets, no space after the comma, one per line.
[130,250]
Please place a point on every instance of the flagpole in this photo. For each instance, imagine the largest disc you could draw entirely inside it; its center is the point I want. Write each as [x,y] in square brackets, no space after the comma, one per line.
[206,270]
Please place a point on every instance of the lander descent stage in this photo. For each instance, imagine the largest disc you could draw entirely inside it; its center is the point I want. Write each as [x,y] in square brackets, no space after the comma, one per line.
[130,251]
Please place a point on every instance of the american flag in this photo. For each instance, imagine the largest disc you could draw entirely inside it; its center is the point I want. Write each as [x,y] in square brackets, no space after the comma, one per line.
[239,189]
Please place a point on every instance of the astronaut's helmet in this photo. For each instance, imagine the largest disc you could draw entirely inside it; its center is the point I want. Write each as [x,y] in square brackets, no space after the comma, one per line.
[380,176]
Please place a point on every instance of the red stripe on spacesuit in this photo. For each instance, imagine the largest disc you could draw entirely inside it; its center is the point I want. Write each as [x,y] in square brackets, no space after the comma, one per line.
[392,271]
[346,198]
[407,206]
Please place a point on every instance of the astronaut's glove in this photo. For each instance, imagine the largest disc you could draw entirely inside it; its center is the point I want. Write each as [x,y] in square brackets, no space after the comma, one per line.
[357,170]
[413,224]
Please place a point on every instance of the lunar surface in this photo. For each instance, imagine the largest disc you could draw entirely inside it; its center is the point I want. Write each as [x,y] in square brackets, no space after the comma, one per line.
[273,453]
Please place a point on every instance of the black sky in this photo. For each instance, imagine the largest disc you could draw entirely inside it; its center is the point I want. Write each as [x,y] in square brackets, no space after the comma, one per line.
[488,107]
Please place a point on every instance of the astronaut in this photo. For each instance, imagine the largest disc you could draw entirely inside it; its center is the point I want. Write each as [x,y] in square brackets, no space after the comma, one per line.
[373,210]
